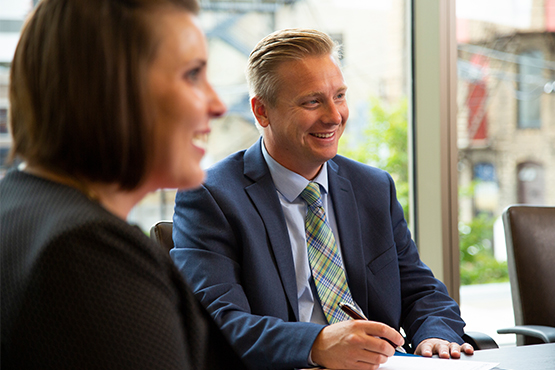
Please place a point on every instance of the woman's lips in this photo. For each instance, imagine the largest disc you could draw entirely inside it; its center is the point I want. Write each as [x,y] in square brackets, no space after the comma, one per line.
[200,140]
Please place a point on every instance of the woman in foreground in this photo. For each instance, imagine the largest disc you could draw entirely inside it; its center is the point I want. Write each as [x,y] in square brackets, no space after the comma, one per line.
[109,101]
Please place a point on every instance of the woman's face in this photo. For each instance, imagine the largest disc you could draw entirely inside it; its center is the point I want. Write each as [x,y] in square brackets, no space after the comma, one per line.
[183,102]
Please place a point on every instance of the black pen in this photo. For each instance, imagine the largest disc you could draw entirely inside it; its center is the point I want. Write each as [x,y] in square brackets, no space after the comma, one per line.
[350,310]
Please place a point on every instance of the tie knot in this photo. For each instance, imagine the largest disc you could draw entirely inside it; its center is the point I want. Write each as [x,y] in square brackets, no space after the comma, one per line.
[311,194]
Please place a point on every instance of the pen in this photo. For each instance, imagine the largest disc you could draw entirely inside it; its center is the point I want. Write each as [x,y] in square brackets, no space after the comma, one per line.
[350,310]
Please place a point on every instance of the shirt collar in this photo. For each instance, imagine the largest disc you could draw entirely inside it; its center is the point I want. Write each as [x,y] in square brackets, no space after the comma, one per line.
[291,184]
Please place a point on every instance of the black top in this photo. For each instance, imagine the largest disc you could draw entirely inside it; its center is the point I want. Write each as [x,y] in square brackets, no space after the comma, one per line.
[82,289]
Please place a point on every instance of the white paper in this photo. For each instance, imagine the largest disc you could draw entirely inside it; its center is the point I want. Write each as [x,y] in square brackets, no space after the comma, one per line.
[422,363]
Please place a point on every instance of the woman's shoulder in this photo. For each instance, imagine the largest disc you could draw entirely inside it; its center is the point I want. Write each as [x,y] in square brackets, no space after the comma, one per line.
[44,221]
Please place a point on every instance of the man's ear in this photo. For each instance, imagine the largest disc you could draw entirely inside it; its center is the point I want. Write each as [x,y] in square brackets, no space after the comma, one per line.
[259,108]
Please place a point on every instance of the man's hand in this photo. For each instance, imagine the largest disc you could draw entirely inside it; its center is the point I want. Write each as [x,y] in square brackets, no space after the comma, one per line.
[442,348]
[354,344]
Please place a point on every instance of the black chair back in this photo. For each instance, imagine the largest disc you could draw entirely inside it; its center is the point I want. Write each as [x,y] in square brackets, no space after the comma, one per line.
[161,232]
[530,239]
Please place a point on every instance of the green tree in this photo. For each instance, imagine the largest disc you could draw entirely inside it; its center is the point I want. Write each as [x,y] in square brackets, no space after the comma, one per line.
[477,262]
[383,143]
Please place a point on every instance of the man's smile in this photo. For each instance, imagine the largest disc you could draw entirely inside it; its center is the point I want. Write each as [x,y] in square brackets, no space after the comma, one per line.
[324,136]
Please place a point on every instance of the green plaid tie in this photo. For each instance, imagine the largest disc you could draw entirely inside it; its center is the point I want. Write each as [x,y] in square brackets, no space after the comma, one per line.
[324,258]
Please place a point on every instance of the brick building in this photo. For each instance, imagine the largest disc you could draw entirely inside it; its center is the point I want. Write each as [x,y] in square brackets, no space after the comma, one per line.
[506,100]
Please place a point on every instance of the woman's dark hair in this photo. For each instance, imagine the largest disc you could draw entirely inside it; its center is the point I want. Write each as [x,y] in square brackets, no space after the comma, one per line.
[78,96]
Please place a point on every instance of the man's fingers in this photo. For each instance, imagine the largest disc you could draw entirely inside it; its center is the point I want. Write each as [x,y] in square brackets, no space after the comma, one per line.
[383,331]
[442,349]
[371,359]
[347,345]
[467,348]
[426,350]
[455,350]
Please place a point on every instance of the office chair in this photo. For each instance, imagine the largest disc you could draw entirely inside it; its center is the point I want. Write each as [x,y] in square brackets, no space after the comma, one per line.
[530,240]
[479,340]
[161,232]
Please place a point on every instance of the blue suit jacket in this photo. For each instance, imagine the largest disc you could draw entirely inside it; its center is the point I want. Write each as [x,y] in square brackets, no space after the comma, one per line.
[232,245]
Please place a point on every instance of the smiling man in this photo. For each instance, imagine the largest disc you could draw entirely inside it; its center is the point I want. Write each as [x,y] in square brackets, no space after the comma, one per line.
[302,127]
[281,233]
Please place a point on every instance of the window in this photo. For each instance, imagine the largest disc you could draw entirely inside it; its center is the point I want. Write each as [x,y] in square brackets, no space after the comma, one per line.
[486,190]
[505,86]
[375,35]
[531,183]
[477,117]
[375,63]
[530,89]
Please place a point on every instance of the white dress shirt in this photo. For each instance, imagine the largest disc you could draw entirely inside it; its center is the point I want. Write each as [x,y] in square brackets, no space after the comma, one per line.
[289,186]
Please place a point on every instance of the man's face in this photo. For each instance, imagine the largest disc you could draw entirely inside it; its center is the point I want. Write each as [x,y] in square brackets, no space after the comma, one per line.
[302,130]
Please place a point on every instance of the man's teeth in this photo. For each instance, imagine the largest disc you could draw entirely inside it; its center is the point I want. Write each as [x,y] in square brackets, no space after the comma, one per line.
[200,140]
[323,136]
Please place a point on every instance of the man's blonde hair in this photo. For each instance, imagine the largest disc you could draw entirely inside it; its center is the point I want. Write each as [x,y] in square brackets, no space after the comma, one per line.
[281,46]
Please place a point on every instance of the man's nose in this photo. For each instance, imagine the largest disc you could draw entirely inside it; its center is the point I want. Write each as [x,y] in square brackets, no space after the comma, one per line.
[332,115]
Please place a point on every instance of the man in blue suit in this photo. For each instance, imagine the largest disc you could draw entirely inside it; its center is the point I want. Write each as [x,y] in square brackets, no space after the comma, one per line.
[240,239]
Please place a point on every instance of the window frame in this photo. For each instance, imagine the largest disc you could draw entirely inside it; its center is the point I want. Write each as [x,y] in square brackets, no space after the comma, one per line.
[434,149]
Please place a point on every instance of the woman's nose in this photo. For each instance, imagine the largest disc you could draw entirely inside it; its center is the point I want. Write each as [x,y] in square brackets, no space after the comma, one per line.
[216,106]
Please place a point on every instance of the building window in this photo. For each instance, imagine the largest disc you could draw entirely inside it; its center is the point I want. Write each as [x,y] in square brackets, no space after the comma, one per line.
[531,183]
[486,189]
[477,111]
[485,172]
[530,89]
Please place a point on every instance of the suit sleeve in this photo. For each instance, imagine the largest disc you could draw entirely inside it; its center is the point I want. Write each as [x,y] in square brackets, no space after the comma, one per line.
[208,252]
[427,309]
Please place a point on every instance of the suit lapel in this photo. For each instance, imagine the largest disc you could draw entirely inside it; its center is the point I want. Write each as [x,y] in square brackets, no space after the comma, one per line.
[348,223]
[264,196]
